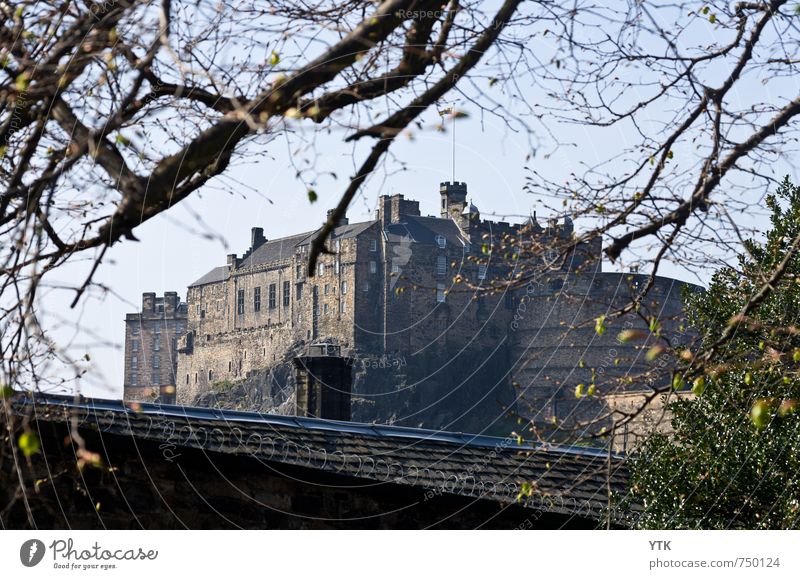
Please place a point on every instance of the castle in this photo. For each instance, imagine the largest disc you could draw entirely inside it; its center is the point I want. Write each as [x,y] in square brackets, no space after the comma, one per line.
[452,322]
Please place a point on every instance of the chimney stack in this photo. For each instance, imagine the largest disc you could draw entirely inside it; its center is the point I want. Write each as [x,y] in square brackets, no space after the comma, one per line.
[323,383]
[343,221]
[257,237]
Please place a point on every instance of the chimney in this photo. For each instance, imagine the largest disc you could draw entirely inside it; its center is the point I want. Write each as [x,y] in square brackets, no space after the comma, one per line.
[454,199]
[257,237]
[384,210]
[148,302]
[401,207]
[323,383]
[170,303]
[343,221]
[232,261]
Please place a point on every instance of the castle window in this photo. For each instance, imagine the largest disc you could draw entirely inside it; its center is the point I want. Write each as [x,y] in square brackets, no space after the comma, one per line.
[444,203]
[156,361]
[230,365]
[343,306]
[373,267]
[326,289]
[134,362]
[195,377]
[287,295]
[344,287]
[135,329]
[336,267]
[441,241]
[156,343]
[395,268]
[441,265]
[134,379]
[240,302]
[157,328]
[299,292]
[321,269]
[273,298]
[197,309]
[187,379]
[135,345]
[373,245]
[156,378]
[210,374]
[257,299]
[482,271]
[366,286]
[440,293]
[338,245]
[325,308]
[298,270]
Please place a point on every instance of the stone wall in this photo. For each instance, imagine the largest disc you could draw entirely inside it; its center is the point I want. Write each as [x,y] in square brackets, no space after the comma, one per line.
[151,339]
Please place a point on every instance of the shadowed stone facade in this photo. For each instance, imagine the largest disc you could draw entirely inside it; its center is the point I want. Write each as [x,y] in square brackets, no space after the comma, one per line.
[151,357]
[420,306]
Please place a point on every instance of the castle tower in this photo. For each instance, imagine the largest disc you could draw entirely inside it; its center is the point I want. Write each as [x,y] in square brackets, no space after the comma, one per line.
[454,199]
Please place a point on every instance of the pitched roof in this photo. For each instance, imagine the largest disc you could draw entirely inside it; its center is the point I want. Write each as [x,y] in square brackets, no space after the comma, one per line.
[341,232]
[425,230]
[274,250]
[213,276]
[565,479]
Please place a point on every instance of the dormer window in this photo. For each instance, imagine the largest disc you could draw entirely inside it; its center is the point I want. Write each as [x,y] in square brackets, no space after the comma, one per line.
[441,241]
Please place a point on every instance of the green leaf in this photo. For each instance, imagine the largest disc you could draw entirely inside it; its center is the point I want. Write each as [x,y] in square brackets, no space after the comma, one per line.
[6,391]
[29,443]
[21,82]
[600,325]
[274,58]
[760,414]
[699,385]
[312,196]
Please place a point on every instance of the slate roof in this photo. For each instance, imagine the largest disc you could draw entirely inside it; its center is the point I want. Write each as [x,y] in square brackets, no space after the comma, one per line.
[213,276]
[566,480]
[424,230]
[341,232]
[274,250]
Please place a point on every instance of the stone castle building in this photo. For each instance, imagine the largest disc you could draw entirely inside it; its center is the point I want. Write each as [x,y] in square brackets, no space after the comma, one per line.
[151,340]
[424,307]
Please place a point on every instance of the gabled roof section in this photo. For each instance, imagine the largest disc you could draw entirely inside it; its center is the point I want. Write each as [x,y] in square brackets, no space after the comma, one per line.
[425,230]
[275,250]
[341,232]
[215,275]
